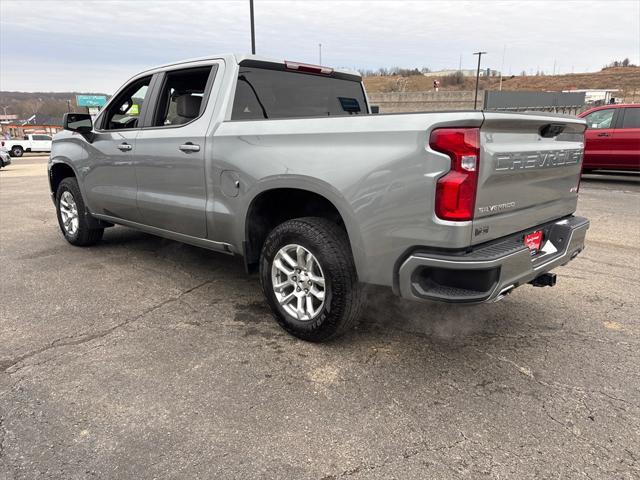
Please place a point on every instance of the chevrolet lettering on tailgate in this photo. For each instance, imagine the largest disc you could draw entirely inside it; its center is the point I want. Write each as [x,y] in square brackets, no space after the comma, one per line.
[528,160]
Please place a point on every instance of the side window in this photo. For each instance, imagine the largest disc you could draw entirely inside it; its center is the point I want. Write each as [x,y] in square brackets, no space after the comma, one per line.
[41,137]
[631,118]
[182,96]
[600,119]
[124,112]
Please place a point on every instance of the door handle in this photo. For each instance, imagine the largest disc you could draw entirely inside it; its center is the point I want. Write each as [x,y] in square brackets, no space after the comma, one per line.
[125,147]
[189,147]
[603,134]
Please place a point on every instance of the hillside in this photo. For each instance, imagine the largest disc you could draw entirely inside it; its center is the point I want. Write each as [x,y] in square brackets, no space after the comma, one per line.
[626,79]
[53,104]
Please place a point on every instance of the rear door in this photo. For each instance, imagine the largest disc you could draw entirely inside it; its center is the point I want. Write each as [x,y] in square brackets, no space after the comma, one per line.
[528,173]
[626,139]
[170,151]
[41,143]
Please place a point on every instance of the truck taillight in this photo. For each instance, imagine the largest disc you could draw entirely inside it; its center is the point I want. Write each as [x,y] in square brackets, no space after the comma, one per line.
[456,190]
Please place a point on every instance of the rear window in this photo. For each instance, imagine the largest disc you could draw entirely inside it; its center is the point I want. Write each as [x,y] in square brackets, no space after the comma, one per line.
[264,93]
[631,118]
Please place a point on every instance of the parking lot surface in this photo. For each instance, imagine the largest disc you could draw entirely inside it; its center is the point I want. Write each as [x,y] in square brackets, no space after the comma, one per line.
[146,358]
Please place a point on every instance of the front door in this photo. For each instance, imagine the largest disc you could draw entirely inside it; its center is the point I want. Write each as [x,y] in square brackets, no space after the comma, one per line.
[170,153]
[110,181]
[598,139]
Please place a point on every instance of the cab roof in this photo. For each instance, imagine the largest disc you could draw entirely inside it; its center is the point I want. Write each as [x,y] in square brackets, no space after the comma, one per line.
[236,58]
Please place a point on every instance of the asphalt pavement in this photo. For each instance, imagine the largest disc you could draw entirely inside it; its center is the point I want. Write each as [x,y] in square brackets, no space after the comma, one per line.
[145,358]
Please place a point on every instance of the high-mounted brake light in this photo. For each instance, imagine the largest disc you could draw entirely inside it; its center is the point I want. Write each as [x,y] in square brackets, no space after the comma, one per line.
[305,67]
[456,190]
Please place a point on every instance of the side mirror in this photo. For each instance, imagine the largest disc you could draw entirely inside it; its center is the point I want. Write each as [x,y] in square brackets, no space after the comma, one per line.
[77,122]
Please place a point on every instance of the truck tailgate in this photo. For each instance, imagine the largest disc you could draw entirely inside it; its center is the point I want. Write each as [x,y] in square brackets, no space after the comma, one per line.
[529,172]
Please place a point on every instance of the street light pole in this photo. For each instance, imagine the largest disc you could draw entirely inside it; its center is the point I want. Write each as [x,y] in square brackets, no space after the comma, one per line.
[253,29]
[475,100]
[319,54]
[504,50]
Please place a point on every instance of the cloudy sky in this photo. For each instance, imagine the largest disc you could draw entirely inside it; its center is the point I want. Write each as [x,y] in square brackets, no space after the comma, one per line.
[96,45]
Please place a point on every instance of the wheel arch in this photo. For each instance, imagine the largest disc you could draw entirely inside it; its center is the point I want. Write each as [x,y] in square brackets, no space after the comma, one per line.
[58,171]
[324,201]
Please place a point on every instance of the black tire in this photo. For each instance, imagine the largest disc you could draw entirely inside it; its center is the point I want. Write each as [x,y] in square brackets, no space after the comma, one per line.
[16,151]
[343,294]
[84,236]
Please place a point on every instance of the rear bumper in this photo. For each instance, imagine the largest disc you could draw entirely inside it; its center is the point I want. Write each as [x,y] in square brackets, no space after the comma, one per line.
[489,272]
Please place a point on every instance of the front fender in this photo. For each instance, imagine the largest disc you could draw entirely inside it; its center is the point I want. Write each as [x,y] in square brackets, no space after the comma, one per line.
[68,149]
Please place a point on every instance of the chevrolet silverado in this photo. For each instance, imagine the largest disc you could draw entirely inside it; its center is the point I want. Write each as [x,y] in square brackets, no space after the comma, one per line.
[283,164]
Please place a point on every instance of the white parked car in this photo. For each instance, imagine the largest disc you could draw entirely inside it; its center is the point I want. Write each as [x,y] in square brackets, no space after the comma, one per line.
[30,143]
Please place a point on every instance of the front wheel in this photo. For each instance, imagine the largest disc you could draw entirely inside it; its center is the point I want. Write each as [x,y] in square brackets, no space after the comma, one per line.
[309,278]
[17,151]
[72,216]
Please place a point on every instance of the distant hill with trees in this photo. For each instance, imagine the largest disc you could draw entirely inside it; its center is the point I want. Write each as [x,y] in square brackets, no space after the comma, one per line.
[626,79]
[50,104]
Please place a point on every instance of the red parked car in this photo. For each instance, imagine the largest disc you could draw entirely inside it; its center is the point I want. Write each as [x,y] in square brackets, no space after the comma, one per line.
[612,139]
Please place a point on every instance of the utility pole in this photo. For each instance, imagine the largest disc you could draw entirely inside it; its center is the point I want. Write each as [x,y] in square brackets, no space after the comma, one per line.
[504,50]
[253,29]
[319,54]
[460,64]
[475,100]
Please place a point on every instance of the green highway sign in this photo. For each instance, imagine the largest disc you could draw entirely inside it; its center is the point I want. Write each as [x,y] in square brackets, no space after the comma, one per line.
[91,100]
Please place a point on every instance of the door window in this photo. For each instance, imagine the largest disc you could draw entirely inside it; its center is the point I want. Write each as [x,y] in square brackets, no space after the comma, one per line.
[182,97]
[631,118]
[600,119]
[124,112]
[42,137]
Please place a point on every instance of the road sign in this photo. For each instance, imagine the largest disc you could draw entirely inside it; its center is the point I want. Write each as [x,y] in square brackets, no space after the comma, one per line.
[91,100]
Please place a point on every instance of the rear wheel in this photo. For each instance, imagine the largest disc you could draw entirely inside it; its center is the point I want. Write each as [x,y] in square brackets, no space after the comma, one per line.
[17,151]
[72,216]
[309,278]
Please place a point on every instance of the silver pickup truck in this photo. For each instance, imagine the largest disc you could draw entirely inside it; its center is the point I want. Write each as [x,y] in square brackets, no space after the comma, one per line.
[283,164]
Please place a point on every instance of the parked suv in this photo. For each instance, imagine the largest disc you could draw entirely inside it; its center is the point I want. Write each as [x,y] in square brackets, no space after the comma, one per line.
[281,163]
[612,139]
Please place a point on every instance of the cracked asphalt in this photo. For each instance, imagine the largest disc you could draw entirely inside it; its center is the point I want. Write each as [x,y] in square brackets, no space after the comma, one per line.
[145,358]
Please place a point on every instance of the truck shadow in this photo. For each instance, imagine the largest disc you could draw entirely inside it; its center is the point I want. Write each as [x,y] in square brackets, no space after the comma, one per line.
[384,314]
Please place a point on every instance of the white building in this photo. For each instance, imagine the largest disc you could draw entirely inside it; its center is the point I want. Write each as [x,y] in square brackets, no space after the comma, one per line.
[486,72]
[598,97]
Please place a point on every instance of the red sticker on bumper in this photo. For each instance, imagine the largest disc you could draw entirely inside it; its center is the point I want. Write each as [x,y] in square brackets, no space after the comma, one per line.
[533,241]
